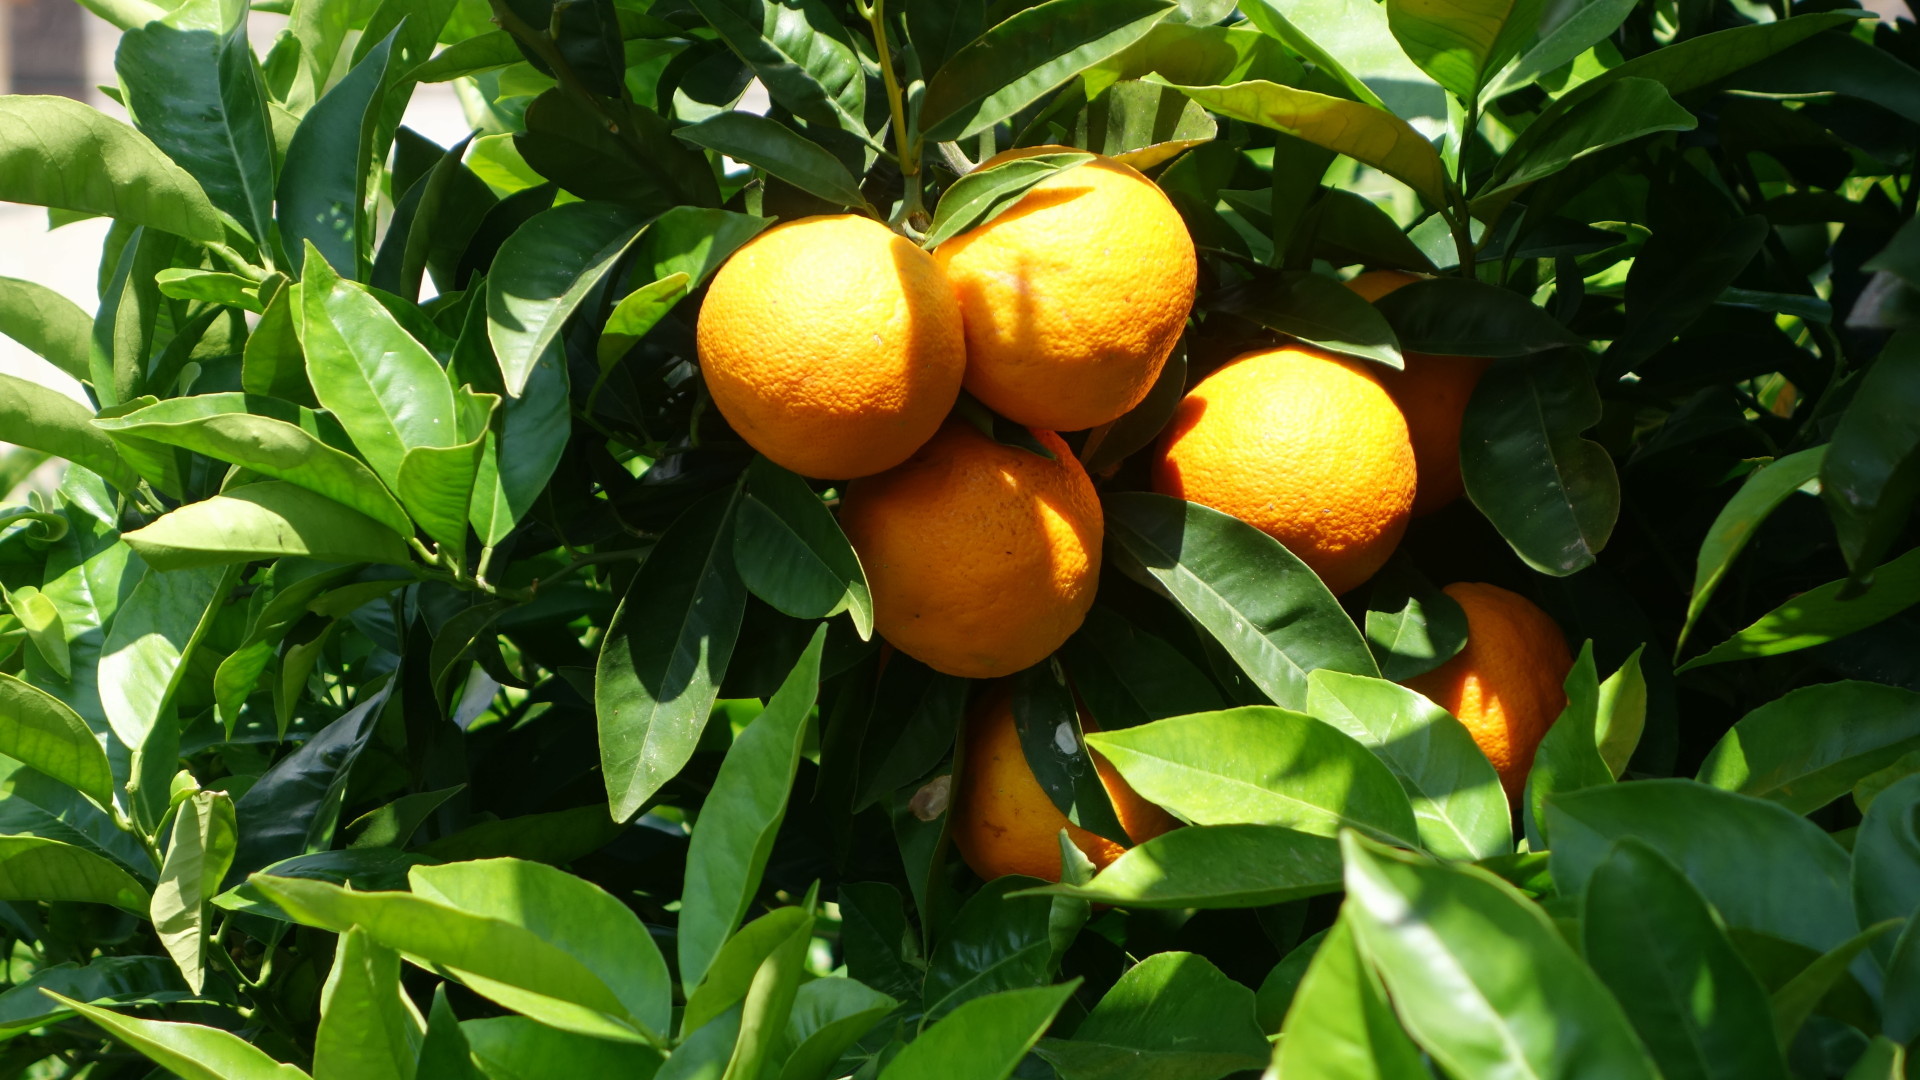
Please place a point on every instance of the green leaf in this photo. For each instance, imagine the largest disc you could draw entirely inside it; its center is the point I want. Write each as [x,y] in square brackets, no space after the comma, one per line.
[1046,719]
[192,86]
[1340,1026]
[293,808]
[778,150]
[1795,1001]
[34,868]
[1568,757]
[128,318]
[1265,608]
[1127,676]
[51,422]
[1370,135]
[569,913]
[445,1053]
[1622,713]
[1462,45]
[189,1051]
[1024,58]
[530,435]
[1657,945]
[322,196]
[1367,23]
[1116,440]
[1883,1059]
[212,286]
[731,976]
[769,1000]
[983,1039]
[665,652]
[1759,496]
[515,1048]
[1760,865]
[1412,626]
[994,943]
[1564,34]
[41,731]
[1481,977]
[1676,277]
[110,979]
[59,153]
[502,961]
[734,835]
[1259,765]
[791,553]
[985,194]
[270,437]
[800,52]
[1553,494]
[384,387]
[1886,858]
[1144,125]
[272,364]
[1321,311]
[1625,110]
[1459,317]
[436,482]
[1459,807]
[636,313]
[1809,747]
[829,1016]
[1215,866]
[1172,1014]
[204,834]
[1868,479]
[48,324]
[151,642]
[543,272]
[264,521]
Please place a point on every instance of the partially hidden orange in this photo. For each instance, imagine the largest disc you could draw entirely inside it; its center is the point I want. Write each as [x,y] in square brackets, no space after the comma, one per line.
[832,345]
[1003,821]
[1432,392]
[1508,684]
[1073,299]
[982,558]
[1303,445]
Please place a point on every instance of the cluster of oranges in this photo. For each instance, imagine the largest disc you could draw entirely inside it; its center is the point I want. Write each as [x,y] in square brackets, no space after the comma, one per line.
[838,349]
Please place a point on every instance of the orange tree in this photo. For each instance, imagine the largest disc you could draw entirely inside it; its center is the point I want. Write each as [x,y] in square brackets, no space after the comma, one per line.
[830,540]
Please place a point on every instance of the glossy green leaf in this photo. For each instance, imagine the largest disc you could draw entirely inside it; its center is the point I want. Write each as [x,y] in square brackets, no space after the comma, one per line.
[1564,33]
[516,1048]
[1172,1014]
[828,1017]
[41,731]
[48,324]
[1621,714]
[1459,807]
[445,1053]
[1046,720]
[664,654]
[983,1039]
[193,87]
[791,553]
[1369,135]
[33,868]
[1480,977]
[204,834]
[436,482]
[1265,608]
[56,152]
[504,962]
[189,1051]
[364,869]
[1144,125]
[1463,45]
[321,200]
[1340,1026]
[1553,494]
[1867,479]
[1657,945]
[543,273]
[1759,496]
[525,447]
[1216,866]
[1886,858]
[1809,747]
[801,53]
[994,943]
[264,521]
[779,151]
[1760,865]
[730,977]
[270,437]
[733,837]
[272,363]
[294,806]
[1412,626]
[1568,757]
[985,194]
[212,286]
[1318,310]
[1023,58]
[1900,1011]
[636,313]
[49,421]
[1260,765]
[150,643]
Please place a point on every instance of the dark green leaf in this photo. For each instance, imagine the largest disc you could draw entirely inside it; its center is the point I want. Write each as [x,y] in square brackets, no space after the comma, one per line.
[1886,858]
[780,151]
[128,318]
[1451,316]
[1047,717]
[1412,627]
[106,979]
[791,553]
[994,943]
[1115,441]
[1795,1001]
[1568,757]
[1320,311]
[801,53]
[1869,481]
[828,1017]
[1624,111]
[1810,747]
[516,1048]
[542,274]
[322,195]
[1675,278]
[1127,676]
[1759,496]
[1463,45]
[1564,34]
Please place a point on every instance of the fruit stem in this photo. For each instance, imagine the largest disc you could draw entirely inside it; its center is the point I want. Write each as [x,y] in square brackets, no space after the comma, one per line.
[907,147]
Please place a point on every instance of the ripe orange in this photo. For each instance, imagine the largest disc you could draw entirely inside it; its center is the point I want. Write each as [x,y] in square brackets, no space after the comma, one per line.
[1303,445]
[1433,392]
[1003,822]
[1073,299]
[1507,685]
[832,345]
[982,558]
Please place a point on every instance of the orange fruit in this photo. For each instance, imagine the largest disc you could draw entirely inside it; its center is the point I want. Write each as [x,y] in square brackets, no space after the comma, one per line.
[1072,299]
[1433,393]
[1303,445]
[982,558]
[832,345]
[1003,821]
[1507,684]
